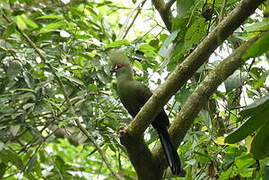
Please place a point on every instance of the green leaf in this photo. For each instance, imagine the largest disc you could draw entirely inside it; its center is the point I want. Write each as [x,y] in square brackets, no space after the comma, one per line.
[75,80]
[53,103]
[244,161]
[3,168]
[92,87]
[7,155]
[182,95]
[250,126]
[258,48]
[31,163]
[52,27]
[258,26]
[266,172]
[227,174]
[235,80]
[30,175]
[177,54]
[183,7]
[14,129]
[28,79]
[256,107]
[20,22]
[138,65]
[28,21]
[167,47]
[23,89]
[117,44]
[148,50]
[50,17]
[14,67]
[195,33]
[260,143]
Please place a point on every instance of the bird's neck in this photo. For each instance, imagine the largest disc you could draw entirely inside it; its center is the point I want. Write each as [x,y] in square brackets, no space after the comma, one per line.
[123,77]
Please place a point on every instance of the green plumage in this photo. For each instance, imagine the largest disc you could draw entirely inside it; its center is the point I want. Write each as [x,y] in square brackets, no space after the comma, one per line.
[134,95]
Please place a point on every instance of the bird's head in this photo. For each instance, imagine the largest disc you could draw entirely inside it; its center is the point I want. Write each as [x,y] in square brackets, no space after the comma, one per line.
[120,62]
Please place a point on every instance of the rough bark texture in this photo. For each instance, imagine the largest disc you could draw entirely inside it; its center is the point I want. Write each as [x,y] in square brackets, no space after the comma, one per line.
[144,163]
[173,83]
[202,93]
[164,11]
[188,67]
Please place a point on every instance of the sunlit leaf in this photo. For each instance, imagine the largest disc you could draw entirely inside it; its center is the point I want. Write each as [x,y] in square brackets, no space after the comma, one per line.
[138,65]
[258,26]
[258,48]
[28,21]
[14,129]
[148,50]
[117,44]
[20,23]
[244,161]
[52,27]
[50,17]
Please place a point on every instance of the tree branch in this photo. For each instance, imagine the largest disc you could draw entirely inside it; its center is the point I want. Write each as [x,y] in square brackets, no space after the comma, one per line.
[189,66]
[174,82]
[164,11]
[135,17]
[88,135]
[200,96]
[144,163]
[170,3]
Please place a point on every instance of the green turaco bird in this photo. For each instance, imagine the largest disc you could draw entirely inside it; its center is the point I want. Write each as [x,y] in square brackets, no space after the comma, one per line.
[134,95]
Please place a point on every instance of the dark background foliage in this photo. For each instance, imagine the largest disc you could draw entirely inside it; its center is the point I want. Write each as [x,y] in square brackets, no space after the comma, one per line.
[55,82]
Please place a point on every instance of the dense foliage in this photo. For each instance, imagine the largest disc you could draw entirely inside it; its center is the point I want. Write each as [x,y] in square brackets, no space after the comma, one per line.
[55,83]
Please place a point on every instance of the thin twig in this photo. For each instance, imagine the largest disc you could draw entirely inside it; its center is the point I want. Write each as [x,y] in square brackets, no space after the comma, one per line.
[124,28]
[88,135]
[222,10]
[136,15]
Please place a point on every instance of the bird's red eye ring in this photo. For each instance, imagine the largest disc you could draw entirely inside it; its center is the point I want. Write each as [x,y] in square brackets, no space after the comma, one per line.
[118,66]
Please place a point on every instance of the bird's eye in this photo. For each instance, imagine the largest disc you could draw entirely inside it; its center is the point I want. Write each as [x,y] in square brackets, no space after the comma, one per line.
[118,66]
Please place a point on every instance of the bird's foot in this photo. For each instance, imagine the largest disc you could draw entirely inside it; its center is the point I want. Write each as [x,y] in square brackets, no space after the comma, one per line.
[124,135]
[122,130]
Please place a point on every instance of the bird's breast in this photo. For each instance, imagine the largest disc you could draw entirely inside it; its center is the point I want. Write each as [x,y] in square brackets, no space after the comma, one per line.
[128,97]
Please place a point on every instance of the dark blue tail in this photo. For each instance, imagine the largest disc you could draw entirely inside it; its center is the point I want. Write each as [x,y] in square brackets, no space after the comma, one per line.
[170,151]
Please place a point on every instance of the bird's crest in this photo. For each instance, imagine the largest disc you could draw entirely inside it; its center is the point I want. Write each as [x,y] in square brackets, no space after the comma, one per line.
[118,57]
